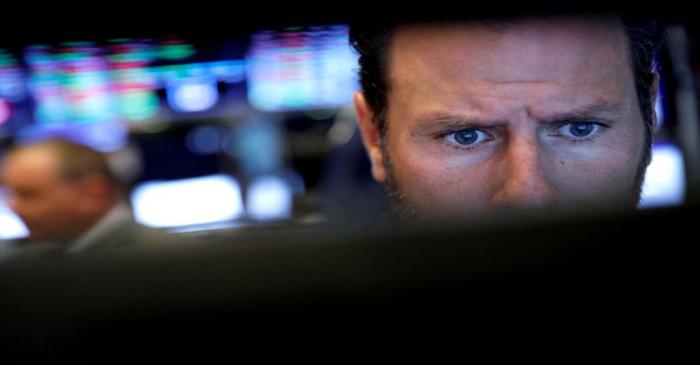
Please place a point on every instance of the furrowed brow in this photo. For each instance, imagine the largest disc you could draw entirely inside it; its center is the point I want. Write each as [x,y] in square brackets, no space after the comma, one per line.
[455,120]
[586,111]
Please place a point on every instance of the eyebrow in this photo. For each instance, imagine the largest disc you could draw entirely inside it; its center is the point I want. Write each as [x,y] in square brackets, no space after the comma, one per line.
[584,112]
[450,119]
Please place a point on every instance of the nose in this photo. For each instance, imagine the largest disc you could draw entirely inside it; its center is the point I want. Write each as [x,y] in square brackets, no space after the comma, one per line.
[524,179]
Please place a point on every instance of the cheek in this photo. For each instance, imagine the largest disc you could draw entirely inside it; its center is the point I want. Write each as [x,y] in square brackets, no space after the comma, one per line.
[610,174]
[61,205]
[434,181]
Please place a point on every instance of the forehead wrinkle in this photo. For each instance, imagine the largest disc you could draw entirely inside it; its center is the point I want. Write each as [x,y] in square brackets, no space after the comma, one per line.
[500,57]
[429,72]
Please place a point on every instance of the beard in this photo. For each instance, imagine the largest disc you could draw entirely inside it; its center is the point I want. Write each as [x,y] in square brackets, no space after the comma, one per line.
[400,202]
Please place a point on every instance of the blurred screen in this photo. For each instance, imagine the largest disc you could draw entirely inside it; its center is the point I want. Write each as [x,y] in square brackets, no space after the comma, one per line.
[11,226]
[269,198]
[187,202]
[301,68]
[93,92]
[664,183]
[201,202]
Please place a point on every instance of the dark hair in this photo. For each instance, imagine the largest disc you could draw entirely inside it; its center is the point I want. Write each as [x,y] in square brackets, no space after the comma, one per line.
[372,42]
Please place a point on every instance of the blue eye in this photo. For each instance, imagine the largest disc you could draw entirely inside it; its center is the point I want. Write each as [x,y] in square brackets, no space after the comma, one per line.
[466,137]
[578,130]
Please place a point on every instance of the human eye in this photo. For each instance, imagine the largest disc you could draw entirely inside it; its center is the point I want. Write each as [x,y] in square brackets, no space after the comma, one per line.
[579,131]
[467,138]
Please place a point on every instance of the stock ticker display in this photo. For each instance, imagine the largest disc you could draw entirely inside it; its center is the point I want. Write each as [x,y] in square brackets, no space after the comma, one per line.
[93,91]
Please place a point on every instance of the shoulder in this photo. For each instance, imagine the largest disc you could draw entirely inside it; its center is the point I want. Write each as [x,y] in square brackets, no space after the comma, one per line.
[148,236]
[23,251]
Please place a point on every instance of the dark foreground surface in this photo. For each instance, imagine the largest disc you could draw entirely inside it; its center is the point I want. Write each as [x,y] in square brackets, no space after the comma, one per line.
[582,281]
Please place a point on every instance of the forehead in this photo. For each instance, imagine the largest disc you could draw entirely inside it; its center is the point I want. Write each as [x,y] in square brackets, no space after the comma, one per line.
[564,53]
[31,165]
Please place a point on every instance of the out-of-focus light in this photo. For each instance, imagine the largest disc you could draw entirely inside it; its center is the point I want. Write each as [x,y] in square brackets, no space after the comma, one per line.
[91,107]
[51,110]
[12,85]
[137,105]
[258,145]
[231,71]
[39,58]
[175,51]
[186,202]
[6,59]
[135,56]
[205,140]
[135,78]
[296,69]
[70,85]
[664,183]
[269,198]
[192,96]
[80,95]
[11,226]
[5,111]
[105,137]
[659,109]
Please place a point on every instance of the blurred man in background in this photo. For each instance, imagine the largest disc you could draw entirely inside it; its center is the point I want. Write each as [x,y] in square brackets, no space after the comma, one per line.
[475,117]
[69,199]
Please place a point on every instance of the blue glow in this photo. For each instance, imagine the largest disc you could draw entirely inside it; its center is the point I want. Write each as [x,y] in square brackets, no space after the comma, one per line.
[206,140]
[194,201]
[659,109]
[105,137]
[227,71]
[664,183]
[11,226]
[193,96]
[12,86]
[269,198]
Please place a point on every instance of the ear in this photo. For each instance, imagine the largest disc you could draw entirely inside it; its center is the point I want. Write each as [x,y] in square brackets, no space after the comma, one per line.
[98,190]
[371,137]
[654,92]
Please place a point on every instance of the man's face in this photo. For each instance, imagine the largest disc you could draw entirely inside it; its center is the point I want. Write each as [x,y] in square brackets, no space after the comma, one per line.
[533,113]
[49,205]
